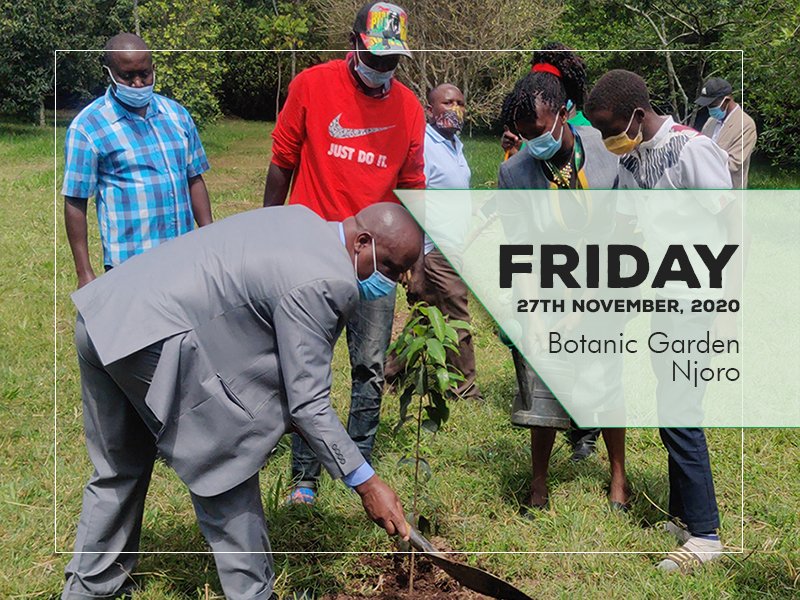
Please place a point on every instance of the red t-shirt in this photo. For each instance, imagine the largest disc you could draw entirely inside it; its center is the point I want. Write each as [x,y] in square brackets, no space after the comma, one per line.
[348,150]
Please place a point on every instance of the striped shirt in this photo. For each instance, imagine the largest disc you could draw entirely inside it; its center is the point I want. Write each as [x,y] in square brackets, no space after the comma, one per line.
[137,169]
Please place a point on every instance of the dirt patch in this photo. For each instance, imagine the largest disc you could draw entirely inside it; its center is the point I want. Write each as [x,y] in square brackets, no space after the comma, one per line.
[399,321]
[391,582]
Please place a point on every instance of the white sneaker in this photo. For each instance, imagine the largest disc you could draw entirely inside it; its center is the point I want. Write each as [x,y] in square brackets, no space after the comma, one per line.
[694,553]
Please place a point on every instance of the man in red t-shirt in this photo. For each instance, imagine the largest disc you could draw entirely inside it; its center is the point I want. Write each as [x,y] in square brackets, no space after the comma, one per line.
[348,135]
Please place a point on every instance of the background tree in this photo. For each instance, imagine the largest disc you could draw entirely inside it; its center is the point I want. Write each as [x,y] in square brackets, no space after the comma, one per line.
[692,25]
[288,29]
[191,78]
[447,30]
[681,29]
[769,33]
[254,83]
[31,31]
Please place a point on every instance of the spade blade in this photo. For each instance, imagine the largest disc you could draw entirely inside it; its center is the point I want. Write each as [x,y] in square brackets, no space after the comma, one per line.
[470,577]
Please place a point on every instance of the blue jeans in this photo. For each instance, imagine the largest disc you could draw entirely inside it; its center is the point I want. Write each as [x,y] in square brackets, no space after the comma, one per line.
[368,334]
[691,485]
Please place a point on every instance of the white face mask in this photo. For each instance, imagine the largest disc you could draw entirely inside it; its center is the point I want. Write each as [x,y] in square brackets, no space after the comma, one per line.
[371,77]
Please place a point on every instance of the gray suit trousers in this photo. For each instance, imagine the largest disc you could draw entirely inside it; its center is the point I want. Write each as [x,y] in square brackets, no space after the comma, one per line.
[120,439]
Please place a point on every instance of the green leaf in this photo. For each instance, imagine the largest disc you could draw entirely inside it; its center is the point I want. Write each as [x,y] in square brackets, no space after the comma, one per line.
[405,402]
[412,323]
[456,324]
[438,414]
[437,322]
[436,352]
[436,397]
[443,378]
[451,346]
[410,352]
[430,425]
[455,375]
[424,467]
[420,330]
[421,385]
[406,461]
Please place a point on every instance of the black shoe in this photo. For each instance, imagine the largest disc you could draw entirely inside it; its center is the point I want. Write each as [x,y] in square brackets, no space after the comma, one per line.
[582,450]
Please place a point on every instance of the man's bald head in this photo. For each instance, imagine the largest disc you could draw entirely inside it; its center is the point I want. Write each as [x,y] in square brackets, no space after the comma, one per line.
[441,90]
[398,238]
[124,43]
[129,61]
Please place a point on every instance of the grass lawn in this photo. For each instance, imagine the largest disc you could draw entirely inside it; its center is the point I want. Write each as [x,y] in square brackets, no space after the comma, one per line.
[480,463]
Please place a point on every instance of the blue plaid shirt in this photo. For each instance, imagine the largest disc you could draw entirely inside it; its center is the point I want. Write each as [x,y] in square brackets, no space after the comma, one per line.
[137,169]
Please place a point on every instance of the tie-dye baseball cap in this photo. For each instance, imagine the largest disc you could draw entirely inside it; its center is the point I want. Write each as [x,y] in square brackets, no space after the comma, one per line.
[383,28]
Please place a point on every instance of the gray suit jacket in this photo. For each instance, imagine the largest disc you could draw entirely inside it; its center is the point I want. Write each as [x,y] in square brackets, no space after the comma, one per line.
[248,310]
[738,138]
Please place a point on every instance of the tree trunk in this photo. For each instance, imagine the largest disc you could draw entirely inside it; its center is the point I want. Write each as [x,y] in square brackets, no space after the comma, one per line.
[136,28]
[41,112]
[673,95]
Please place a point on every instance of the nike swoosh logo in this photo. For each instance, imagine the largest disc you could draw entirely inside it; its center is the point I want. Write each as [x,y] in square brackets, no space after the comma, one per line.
[337,131]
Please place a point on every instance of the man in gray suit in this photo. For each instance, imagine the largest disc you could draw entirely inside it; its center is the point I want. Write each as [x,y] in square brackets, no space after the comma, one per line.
[208,349]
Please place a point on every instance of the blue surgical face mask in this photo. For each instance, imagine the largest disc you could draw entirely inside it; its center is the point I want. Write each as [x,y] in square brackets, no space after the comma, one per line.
[133,96]
[376,285]
[717,112]
[545,146]
[372,77]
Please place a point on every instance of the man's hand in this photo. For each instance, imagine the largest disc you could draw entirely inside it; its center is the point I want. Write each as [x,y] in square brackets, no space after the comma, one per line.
[383,506]
[415,284]
[415,279]
[75,222]
[510,142]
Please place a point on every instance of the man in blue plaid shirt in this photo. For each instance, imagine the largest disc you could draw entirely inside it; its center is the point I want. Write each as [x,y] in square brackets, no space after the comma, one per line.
[140,156]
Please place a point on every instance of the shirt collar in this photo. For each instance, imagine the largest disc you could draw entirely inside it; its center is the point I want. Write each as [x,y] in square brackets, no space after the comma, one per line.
[661,134]
[121,112]
[437,137]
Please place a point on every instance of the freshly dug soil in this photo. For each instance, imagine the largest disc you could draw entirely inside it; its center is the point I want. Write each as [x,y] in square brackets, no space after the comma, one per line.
[430,582]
